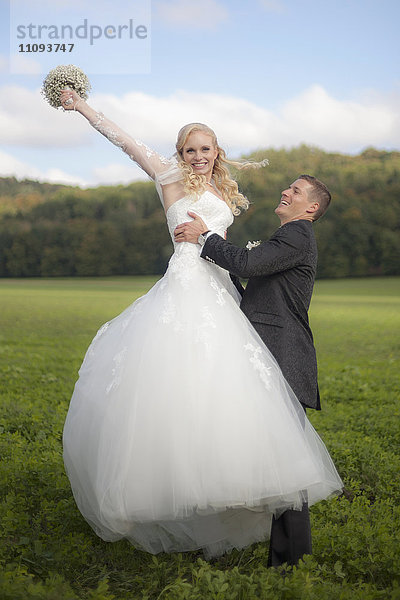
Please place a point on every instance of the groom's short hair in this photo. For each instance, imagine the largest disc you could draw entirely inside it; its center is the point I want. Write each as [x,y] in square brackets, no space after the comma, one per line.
[319,193]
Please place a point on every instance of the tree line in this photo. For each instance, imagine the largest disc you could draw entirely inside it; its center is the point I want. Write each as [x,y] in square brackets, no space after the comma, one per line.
[51,230]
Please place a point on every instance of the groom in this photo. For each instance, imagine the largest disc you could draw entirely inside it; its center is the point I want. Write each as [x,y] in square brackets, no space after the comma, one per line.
[281,274]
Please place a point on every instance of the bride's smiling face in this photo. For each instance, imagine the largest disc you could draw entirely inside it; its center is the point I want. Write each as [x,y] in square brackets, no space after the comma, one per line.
[200,152]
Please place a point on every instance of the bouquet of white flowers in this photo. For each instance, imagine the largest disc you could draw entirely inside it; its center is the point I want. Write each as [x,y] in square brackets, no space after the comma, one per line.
[62,77]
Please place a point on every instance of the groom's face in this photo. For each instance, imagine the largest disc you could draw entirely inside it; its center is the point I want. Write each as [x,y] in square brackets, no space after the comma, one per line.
[295,201]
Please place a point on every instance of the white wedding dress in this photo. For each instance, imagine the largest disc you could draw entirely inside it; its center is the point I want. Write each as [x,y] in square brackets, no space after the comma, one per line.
[182,432]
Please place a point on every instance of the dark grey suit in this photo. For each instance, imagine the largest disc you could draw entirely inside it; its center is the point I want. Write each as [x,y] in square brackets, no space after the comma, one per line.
[281,275]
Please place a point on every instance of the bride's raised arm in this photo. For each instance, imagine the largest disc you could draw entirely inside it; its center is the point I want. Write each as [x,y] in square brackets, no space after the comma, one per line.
[154,164]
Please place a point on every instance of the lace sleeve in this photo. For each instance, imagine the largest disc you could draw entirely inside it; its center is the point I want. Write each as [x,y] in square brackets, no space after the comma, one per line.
[159,168]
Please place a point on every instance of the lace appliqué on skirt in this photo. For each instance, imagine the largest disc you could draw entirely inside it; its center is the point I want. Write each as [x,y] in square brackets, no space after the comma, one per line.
[168,314]
[116,371]
[203,329]
[220,291]
[100,332]
[259,364]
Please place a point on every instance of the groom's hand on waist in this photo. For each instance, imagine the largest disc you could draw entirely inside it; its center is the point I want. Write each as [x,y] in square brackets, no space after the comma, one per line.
[190,231]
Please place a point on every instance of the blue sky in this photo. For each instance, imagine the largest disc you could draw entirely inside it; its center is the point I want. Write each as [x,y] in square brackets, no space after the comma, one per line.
[262,73]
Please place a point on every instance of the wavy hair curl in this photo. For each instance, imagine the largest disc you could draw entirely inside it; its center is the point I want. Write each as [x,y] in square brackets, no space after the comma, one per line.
[195,184]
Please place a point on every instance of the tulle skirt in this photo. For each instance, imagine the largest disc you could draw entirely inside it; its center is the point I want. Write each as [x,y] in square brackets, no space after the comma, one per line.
[182,432]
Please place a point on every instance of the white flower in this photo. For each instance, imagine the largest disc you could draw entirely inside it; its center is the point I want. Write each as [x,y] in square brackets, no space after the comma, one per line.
[251,245]
[61,77]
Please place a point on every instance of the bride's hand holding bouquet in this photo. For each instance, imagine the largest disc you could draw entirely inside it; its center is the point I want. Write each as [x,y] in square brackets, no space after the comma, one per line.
[66,86]
[69,99]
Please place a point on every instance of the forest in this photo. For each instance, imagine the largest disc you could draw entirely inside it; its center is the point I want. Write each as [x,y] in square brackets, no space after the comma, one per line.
[49,230]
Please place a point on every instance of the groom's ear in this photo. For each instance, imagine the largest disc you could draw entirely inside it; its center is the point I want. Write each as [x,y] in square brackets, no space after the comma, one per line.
[312,208]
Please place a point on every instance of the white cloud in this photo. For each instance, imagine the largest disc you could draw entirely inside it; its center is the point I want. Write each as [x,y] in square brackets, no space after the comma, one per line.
[26,119]
[58,176]
[25,65]
[115,173]
[207,14]
[316,118]
[313,117]
[10,166]
[111,174]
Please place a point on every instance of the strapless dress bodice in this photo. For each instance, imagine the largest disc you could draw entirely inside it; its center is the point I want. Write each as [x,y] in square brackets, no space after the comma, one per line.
[215,213]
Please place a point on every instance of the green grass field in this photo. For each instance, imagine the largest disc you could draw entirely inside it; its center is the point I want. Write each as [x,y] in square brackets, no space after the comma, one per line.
[47,550]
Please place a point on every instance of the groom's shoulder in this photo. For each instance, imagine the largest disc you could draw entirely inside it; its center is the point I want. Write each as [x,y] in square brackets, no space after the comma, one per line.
[296,234]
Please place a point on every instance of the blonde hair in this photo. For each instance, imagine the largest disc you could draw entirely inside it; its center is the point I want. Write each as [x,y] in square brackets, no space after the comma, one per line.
[195,184]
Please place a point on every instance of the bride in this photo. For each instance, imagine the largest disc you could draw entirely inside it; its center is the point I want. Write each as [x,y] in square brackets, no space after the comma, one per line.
[182,432]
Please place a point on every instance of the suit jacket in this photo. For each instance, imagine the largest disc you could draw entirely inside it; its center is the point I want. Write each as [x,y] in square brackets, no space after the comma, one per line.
[281,275]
